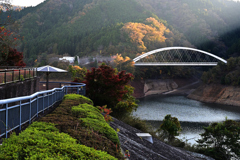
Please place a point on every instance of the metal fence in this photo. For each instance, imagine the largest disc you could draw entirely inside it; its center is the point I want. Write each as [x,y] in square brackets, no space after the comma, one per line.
[17,74]
[42,86]
[15,112]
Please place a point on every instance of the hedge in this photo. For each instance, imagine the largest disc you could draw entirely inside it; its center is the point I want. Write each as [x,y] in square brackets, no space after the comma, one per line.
[43,141]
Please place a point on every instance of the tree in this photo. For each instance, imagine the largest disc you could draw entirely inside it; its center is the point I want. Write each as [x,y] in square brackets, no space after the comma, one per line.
[124,64]
[105,86]
[8,55]
[14,58]
[6,5]
[8,39]
[221,140]
[127,104]
[77,73]
[170,127]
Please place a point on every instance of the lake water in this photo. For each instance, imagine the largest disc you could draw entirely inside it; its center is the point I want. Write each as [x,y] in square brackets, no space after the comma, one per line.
[193,115]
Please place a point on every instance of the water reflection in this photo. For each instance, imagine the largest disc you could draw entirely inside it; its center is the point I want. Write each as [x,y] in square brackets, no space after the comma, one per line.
[193,115]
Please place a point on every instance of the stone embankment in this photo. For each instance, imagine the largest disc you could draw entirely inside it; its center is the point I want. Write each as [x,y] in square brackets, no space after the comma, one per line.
[159,86]
[192,88]
[216,93]
[164,86]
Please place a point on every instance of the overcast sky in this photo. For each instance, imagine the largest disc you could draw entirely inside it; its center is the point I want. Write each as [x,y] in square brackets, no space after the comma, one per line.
[26,2]
[35,2]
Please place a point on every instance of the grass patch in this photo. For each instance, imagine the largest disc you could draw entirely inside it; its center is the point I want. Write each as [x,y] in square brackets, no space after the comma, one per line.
[93,119]
[101,127]
[67,118]
[43,141]
[79,98]
[87,111]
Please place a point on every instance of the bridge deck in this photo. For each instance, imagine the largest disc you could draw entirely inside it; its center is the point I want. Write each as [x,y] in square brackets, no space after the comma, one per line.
[176,64]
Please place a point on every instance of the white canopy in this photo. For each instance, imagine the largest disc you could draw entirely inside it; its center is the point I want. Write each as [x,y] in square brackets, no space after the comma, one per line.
[48,68]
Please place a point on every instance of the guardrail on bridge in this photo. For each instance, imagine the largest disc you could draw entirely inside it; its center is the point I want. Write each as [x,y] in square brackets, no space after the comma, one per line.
[15,112]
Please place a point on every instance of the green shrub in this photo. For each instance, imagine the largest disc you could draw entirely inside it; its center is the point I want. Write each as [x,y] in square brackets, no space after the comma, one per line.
[92,118]
[68,121]
[137,123]
[170,127]
[87,111]
[43,141]
[221,140]
[102,127]
[80,98]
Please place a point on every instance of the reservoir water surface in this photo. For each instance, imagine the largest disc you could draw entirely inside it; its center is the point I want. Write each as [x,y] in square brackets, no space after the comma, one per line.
[193,115]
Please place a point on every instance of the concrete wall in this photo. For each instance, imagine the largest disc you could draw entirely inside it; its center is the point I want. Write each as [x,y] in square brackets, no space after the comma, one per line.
[18,89]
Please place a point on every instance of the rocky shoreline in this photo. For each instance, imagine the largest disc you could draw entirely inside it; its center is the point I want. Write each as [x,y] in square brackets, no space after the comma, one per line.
[216,93]
[193,89]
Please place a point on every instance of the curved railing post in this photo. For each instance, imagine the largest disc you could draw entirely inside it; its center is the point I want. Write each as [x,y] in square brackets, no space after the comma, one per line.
[30,110]
[6,120]
[43,102]
[48,100]
[29,73]
[20,119]
[84,91]
[37,105]
[5,76]
[19,74]
[12,75]
[24,72]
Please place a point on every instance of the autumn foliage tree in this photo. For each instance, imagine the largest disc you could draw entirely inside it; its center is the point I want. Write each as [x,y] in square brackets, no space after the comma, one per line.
[77,73]
[14,58]
[8,55]
[122,63]
[105,86]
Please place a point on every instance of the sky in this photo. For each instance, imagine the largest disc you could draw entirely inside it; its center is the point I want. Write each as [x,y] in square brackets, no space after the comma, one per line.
[35,2]
[26,2]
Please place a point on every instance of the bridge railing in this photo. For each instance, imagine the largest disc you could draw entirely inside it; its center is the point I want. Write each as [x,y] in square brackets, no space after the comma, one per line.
[16,74]
[15,112]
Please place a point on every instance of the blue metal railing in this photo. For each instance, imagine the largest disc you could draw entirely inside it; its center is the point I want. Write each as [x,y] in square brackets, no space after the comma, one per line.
[15,112]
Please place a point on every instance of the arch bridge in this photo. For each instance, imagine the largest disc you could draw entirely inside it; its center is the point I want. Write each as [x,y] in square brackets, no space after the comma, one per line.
[177,56]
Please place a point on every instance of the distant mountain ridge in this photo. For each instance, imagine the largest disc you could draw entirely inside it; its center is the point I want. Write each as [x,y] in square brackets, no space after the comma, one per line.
[14,7]
[89,27]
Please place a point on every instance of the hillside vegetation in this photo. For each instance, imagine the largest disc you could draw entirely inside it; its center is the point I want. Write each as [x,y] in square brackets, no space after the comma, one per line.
[228,74]
[129,27]
[74,130]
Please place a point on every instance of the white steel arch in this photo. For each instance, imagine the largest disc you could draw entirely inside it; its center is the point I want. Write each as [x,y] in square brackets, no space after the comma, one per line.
[178,48]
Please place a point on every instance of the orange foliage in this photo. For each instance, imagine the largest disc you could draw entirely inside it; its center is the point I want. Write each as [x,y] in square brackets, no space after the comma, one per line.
[146,36]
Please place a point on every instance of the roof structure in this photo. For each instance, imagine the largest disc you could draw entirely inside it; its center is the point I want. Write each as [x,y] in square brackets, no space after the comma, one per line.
[48,68]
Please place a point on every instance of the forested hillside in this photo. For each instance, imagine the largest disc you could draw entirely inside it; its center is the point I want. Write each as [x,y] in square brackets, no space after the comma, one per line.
[129,27]
[210,25]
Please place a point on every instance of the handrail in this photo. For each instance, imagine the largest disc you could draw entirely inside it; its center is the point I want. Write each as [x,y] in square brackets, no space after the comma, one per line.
[20,110]
[13,75]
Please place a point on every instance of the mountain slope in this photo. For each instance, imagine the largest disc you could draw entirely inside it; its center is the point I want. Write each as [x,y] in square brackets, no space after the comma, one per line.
[203,22]
[82,27]
[90,27]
